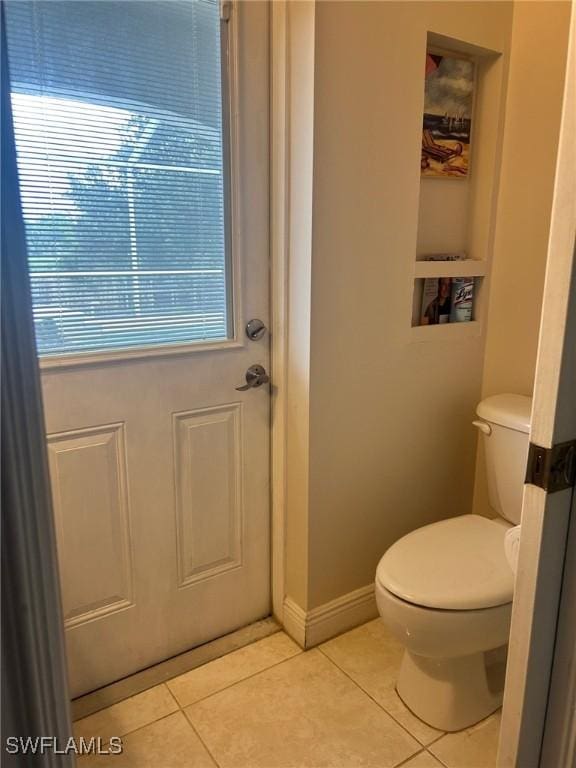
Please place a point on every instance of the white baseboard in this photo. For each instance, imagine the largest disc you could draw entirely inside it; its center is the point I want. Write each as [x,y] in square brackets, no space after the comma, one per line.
[294,622]
[309,628]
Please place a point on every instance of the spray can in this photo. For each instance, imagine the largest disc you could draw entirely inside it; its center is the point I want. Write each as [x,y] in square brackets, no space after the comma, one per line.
[462,299]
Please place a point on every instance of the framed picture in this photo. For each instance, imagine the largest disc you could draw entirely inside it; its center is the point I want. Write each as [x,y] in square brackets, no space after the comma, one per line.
[447,123]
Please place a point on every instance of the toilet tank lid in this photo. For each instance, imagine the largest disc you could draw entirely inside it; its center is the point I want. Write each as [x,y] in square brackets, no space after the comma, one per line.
[512,411]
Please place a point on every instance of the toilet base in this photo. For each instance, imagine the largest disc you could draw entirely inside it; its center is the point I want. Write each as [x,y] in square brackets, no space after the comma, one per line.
[452,694]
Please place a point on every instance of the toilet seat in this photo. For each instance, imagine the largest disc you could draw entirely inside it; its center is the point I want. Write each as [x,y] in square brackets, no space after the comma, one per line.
[455,564]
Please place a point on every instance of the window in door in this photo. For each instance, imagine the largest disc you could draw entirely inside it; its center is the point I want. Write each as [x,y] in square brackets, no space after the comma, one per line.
[122,157]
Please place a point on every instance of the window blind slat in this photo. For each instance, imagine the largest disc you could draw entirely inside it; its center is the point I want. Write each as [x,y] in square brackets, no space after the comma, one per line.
[118,123]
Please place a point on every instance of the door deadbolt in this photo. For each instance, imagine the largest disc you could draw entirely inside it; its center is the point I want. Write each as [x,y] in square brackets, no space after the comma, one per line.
[255,329]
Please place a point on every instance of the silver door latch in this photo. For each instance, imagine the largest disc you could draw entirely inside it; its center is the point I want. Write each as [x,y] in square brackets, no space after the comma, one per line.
[255,376]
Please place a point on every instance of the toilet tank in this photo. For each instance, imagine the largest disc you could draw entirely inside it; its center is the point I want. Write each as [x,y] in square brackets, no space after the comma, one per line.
[505,424]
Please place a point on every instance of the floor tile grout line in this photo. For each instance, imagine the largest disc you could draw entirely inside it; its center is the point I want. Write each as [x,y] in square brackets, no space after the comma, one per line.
[237,682]
[171,695]
[437,739]
[188,722]
[439,760]
[442,763]
[407,760]
[119,703]
[382,707]
[165,717]
[141,727]
[197,732]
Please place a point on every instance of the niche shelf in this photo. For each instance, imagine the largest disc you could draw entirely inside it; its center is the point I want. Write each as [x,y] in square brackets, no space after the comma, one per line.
[446,331]
[465,268]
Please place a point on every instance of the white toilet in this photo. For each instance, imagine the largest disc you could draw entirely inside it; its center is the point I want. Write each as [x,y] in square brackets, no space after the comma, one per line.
[445,590]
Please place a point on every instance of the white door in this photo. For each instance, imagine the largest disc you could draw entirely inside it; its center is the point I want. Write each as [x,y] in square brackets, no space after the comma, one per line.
[142,139]
[546,515]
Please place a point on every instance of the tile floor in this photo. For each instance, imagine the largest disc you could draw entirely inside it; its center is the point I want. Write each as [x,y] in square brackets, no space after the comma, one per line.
[270,705]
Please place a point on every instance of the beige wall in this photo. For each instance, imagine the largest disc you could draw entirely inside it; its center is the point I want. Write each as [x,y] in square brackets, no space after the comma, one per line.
[538,57]
[383,422]
[390,442]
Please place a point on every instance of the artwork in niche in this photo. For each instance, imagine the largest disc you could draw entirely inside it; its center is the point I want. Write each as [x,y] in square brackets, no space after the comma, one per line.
[448,99]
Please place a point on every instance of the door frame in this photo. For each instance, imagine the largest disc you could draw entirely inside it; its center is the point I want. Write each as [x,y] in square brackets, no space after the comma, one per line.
[35,692]
[278,300]
[535,635]
[291,181]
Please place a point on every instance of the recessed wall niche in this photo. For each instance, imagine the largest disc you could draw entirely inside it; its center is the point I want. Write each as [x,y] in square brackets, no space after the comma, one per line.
[456,212]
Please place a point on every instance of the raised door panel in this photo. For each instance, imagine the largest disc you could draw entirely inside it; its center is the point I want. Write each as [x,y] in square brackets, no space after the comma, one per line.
[208,461]
[89,486]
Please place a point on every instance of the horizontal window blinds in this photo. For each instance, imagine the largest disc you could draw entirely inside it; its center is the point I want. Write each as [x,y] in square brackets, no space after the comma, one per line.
[118,122]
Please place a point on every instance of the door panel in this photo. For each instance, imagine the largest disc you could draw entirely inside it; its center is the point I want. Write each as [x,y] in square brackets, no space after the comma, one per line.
[160,468]
[88,474]
[208,465]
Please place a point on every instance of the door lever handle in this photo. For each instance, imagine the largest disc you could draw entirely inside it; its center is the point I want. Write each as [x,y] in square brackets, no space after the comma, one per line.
[255,376]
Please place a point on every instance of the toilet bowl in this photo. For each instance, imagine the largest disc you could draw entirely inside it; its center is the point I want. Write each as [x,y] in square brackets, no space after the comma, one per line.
[445,590]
